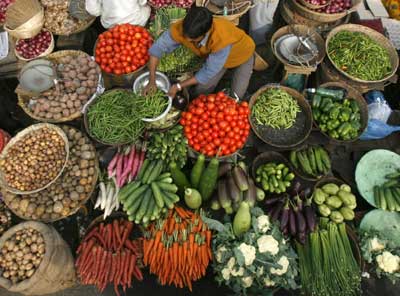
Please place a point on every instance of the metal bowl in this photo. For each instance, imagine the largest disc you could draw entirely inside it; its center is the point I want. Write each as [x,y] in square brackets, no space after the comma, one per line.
[162,82]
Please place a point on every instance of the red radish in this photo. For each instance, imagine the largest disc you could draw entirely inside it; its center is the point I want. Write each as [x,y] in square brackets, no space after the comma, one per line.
[127,168]
[119,167]
[112,164]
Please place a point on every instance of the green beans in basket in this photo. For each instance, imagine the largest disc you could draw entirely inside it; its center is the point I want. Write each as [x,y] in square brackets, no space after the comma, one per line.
[275,108]
[360,56]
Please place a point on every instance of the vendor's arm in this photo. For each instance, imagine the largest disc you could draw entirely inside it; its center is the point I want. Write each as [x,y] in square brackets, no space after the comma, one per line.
[164,44]
[214,63]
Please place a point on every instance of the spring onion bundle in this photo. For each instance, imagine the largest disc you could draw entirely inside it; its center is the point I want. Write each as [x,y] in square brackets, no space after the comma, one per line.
[275,108]
[327,264]
[359,56]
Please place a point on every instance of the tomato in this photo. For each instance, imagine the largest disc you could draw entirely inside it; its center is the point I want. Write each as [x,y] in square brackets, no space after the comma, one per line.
[217,141]
[221,95]
[182,121]
[223,124]
[98,60]
[196,147]
[117,71]
[198,111]
[189,136]
[138,36]
[221,133]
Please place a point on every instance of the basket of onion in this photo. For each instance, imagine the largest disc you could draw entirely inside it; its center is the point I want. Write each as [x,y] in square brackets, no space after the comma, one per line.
[3,8]
[38,46]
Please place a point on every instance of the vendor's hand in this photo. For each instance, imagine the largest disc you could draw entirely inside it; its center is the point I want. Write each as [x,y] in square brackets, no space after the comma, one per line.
[150,88]
[173,90]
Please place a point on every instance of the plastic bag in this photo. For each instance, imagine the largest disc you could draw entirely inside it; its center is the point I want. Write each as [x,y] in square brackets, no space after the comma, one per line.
[378,114]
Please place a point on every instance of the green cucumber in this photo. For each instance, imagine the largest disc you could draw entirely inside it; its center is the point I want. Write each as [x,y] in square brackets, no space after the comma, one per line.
[172,196]
[304,163]
[311,158]
[168,200]
[134,207]
[197,171]
[143,206]
[391,204]
[135,195]
[163,176]
[167,187]
[382,199]
[293,159]
[143,169]
[127,190]
[377,196]
[148,171]
[318,161]
[157,194]
[155,173]
[325,158]
[149,210]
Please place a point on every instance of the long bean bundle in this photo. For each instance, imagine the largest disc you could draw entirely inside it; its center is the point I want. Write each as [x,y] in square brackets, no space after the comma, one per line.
[359,56]
[327,264]
[116,117]
[275,108]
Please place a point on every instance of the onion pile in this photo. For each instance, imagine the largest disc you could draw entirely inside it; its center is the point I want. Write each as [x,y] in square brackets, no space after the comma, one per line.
[335,6]
[3,8]
[32,47]
[166,3]
[318,3]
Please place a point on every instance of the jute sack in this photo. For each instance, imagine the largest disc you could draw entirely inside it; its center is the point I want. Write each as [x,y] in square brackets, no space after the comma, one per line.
[56,272]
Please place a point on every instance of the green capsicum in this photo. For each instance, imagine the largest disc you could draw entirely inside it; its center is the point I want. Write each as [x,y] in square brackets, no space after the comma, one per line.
[354,106]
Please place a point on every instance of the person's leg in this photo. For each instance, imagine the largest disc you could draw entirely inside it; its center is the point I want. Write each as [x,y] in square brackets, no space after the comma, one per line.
[208,88]
[241,77]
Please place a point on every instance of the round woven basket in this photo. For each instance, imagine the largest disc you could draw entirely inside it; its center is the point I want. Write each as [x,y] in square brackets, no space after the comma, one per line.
[303,30]
[48,51]
[374,35]
[284,138]
[72,212]
[322,17]
[23,100]
[242,8]
[19,136]
[28,29]
[355,95]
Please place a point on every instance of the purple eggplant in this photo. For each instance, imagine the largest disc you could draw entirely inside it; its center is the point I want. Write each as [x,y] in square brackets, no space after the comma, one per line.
[301,237]
[295,189]
[301,222]
[224,168]
[285,231]
[284,218]
[299,202]
[309,214]
[273,200]
[277,210]
[292,223]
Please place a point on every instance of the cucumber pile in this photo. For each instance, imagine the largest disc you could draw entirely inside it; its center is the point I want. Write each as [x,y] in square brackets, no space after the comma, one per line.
[235,186]
[387,195]
[313,161]
[150,195]
[274,177]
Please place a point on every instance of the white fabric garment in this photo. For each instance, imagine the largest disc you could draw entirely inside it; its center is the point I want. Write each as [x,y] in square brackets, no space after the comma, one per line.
[261,19]
[3,45]
[114,12]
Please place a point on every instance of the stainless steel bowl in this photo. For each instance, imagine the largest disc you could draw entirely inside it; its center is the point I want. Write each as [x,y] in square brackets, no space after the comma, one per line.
[162,82]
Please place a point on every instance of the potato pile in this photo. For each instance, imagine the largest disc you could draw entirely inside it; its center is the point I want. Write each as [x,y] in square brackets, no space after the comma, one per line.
[79,77]
[35,160]
[63,196]
[57,18]
[5,218]
[21,255]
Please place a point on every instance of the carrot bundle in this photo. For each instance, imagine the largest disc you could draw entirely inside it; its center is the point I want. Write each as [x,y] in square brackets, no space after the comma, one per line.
[106,255]
[178,248]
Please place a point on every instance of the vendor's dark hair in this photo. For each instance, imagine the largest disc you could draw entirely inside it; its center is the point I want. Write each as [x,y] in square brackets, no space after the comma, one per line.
[197,22]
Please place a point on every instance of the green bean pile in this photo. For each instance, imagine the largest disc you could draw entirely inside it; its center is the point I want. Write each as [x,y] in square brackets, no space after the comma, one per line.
[116,117]
[181,60]
[359,56]
[275,108]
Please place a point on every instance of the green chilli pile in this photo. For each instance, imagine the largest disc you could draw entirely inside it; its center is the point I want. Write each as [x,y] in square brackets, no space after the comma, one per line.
[181,60]
[116,117]
[360,56]
[275,108]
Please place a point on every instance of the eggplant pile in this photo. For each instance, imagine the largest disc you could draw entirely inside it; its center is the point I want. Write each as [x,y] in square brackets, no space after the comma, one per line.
[295,213]
[234,186]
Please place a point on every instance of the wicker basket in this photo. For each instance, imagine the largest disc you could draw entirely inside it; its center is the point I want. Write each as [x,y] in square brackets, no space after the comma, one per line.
[355,95]
[319,16]
[29,29]
[242,8]
[82,27]
[23,100]
[288,138]
[303,31]
[72,212]
[312,6]
[18,137]
[48,51]
[374,35]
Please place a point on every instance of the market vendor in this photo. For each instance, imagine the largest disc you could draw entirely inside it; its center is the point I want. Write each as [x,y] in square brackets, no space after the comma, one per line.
[219,41]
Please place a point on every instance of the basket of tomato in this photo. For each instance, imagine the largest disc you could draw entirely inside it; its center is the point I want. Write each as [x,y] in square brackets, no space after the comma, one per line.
[216,124]
[122,53]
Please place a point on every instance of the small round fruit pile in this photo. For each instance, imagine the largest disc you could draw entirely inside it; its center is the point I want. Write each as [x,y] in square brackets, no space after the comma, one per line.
[123,49]
[33,47]
[3,8]
[216,124]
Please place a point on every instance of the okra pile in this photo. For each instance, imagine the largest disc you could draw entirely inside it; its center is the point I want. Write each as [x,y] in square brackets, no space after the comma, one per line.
[387,195]
[274,177]
[340,119]
[313,161]
[337,203]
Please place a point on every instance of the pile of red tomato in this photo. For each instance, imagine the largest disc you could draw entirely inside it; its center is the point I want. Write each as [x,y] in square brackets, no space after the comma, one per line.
[4,138]
[123,49]
[216,124]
